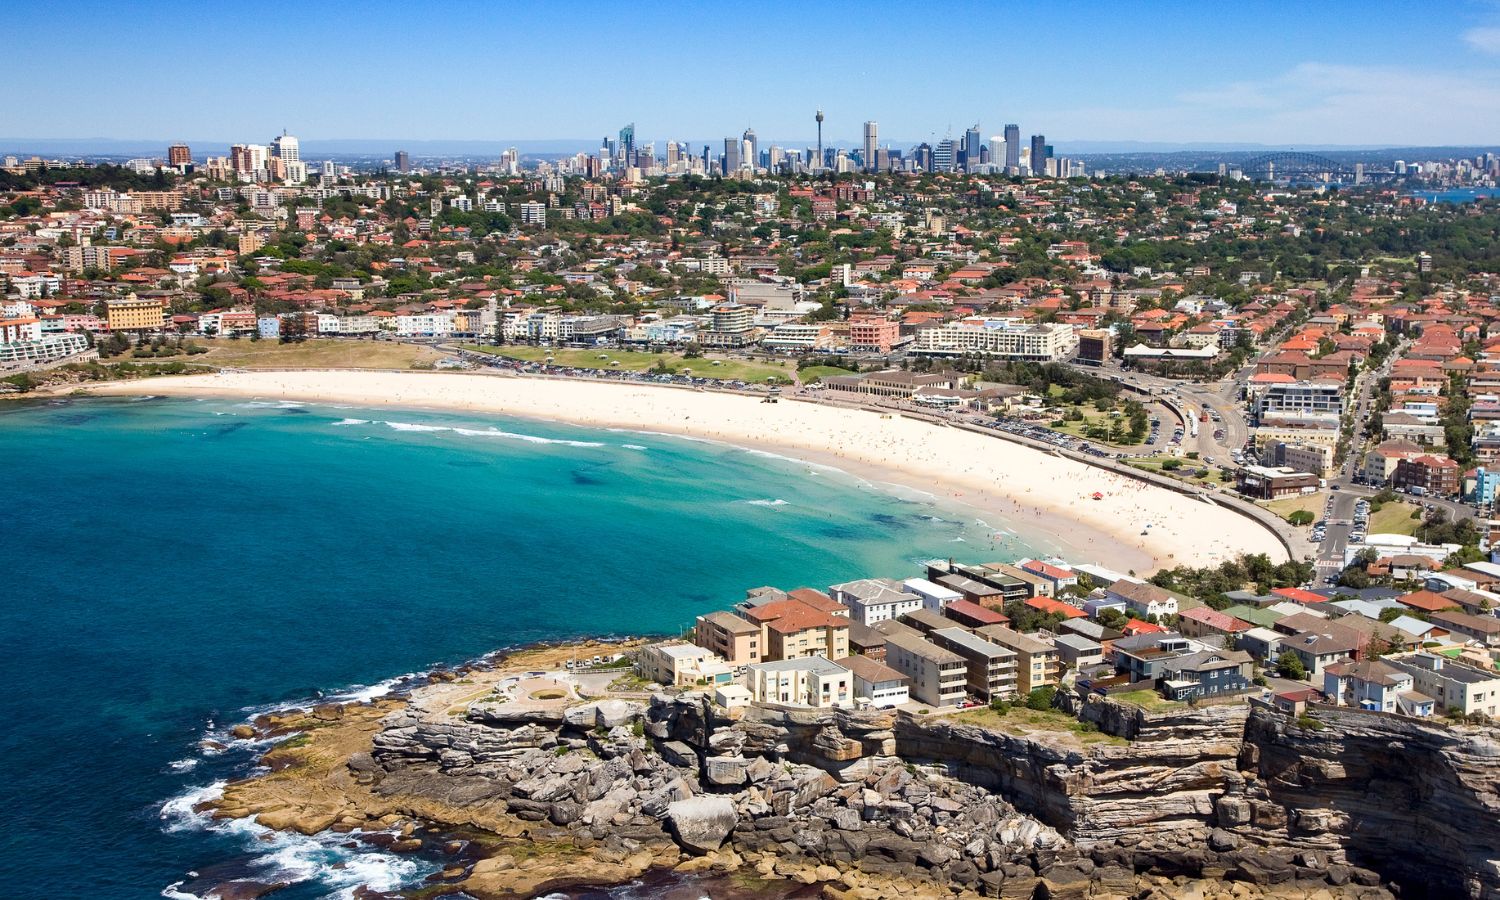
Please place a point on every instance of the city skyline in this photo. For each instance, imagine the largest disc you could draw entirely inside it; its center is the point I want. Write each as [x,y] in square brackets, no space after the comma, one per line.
[1174,74]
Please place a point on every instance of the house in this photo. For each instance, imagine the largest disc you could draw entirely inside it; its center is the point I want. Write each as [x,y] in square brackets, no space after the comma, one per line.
[1207,673]
[1375,685]
[934,596]
[1202,621]
[866,641]
[1483,630]
[1317,651]
[876,683]
[1425,601]
[1061,578]
[1076,651]
[972,615]
[1099,634]
[872,600]
[810,681]
[1144,599]
[1055,607]
[1261,643]
[1144,657]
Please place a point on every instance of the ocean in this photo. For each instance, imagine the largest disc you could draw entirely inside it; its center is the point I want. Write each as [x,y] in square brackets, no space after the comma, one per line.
[175,567]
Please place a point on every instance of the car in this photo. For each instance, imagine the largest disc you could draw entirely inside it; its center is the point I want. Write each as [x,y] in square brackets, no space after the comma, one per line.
[1334,487]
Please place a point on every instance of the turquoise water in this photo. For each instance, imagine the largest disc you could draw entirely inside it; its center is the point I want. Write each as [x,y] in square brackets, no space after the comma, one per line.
[174,566]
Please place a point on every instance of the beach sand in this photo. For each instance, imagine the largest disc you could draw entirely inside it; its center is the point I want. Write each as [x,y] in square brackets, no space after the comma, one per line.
[1045,499]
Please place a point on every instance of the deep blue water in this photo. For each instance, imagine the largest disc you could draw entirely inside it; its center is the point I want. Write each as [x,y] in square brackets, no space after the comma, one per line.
[1457,195]
[174,566]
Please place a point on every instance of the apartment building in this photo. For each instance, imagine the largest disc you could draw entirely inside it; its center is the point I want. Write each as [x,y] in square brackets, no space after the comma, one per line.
[991,667]
[872,600]
[999,338]
[812,681]
[1453,685]
[132,313]
[792,629]
[675,663]
[938,677]
[1317,404]
[1036,660]
[735,639]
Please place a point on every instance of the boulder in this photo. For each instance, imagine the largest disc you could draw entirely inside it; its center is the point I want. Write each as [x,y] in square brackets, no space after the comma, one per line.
[604,714]
[700,824]
[726,771]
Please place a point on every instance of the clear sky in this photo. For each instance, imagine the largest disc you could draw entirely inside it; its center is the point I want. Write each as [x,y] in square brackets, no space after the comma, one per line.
[1321,72]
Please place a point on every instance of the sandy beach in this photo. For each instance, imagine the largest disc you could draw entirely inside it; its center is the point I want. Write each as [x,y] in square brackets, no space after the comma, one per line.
[1046,499]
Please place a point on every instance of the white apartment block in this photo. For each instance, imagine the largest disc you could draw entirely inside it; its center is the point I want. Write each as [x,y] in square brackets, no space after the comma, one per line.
[997,337]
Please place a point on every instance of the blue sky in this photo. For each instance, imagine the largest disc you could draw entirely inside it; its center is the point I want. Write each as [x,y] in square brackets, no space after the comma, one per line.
[1286,73]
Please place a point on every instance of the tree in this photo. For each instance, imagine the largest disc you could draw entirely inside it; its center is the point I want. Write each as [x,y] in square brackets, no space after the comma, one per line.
[1301,517]
[1112,618]
[1289,665]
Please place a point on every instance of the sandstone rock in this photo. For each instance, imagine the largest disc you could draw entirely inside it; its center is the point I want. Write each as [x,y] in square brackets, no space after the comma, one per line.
[1222,841]
[242,732]
[726,771]
[700,824]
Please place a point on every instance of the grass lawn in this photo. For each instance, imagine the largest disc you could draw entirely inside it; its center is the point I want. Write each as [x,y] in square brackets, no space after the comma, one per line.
[636,361]
[1395,518]
[313,354]
[1150,701]
[1026,722]
[1153,464]
[815,373]
[1091,417]
[1312,503]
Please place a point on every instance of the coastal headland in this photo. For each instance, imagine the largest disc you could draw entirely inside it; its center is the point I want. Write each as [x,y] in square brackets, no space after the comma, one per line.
[525,777]
[1080,511]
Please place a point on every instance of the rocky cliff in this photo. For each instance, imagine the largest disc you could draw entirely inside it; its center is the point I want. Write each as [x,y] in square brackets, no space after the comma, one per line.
[1350,803]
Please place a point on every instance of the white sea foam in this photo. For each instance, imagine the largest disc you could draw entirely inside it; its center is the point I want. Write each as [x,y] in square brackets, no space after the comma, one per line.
[183,765]
[776,502]
[271,404]
[294,857]
[178,813]
[632,446]
[529,438]
[364,693]
[171,892]
[352,422]
[416,426]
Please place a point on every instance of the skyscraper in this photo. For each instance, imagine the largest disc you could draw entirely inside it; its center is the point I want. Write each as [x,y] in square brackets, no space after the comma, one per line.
[403,161]
[286,147]
[752,158]
[872,141]
[971,148]
[1012,147]
[942,156]
[626,148]
[179,155]
[731,155]
[922,157]
[1038,155]
[818,164]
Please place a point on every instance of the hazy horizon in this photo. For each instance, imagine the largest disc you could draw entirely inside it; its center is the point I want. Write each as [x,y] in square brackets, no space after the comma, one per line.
[1338,73]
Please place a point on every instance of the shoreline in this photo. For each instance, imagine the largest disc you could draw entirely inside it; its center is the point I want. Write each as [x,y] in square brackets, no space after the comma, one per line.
[1134,527]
